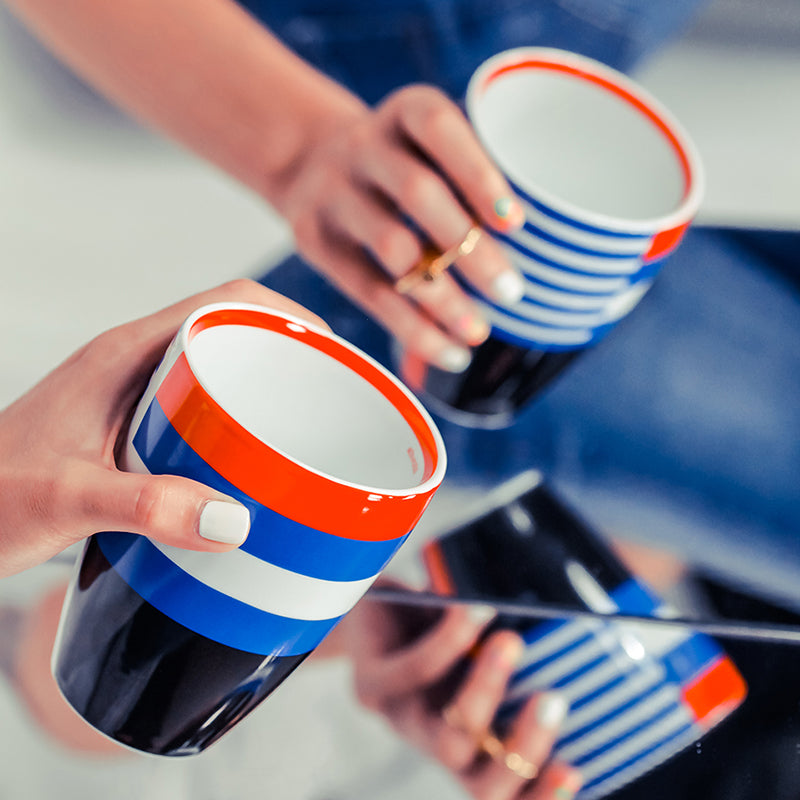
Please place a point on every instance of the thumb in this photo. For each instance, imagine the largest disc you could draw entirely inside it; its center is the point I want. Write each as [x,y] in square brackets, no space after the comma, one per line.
[170,509]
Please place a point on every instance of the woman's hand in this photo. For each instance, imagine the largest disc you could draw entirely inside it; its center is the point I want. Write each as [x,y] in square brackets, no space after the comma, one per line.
[364,190]
[58,478]
[440,689]
[373,189]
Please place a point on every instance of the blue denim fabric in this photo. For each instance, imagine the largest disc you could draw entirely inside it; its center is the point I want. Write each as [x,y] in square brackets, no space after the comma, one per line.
[375,46]
[683,425]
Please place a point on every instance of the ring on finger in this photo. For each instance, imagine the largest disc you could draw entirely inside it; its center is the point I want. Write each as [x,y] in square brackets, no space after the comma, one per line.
[434,263]
[510,759]
[492,746]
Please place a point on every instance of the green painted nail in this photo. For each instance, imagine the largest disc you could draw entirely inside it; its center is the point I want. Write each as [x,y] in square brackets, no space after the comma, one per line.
[502,207]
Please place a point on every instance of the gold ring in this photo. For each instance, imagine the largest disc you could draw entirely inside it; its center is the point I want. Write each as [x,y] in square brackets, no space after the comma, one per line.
[433,263]
[510,759]
[493,747]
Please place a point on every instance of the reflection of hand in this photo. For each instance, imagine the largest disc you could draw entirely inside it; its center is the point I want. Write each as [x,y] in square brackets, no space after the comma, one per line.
[37,688]
[58,479]
[349,199]
[441,693]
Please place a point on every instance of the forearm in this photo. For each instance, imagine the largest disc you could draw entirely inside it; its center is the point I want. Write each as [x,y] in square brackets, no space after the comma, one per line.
[205,73]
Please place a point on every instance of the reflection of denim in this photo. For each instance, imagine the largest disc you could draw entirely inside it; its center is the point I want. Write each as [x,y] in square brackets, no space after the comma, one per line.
[683,426]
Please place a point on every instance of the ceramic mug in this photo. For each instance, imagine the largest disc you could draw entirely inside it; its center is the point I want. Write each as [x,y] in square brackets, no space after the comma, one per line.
[638,694]
[609,182]
[164,649]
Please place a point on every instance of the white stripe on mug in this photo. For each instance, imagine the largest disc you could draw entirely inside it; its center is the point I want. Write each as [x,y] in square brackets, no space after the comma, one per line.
[566,280]
[583,262]
[537,333]
[613,245]
[269,588]
[666,697]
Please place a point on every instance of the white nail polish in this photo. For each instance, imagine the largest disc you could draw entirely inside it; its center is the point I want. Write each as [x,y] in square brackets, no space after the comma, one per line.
[480,615]
[508,287]
[454,359]
[224,521]
[551,710]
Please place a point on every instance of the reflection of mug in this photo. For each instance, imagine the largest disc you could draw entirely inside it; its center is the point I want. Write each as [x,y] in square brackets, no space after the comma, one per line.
[165,649]
[609,183]
[638,694]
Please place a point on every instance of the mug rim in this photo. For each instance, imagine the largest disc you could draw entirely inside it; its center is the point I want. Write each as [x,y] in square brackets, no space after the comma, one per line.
[414,414]
[591,70]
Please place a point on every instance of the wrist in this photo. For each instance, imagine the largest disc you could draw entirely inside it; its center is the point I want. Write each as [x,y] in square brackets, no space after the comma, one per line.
[323,110]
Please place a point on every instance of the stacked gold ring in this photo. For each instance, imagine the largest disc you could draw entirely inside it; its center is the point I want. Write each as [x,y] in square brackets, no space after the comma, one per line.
[489,743]
[433,263]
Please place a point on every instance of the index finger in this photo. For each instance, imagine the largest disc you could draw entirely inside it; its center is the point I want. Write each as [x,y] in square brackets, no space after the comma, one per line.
[443,133]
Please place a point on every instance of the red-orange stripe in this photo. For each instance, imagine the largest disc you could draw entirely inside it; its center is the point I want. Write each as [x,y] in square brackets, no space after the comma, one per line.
[664,242]
[271,478]
[436,566]
[716,692]
[612,87]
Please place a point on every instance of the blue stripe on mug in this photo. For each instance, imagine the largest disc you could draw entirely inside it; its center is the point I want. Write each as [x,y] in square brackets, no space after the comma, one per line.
[567,281]
[273,537]
[671,741]
[600,243]
[538,233]
[563,259]
[583,226]
[653,716]
[203,609]
[601,720]
[520,675]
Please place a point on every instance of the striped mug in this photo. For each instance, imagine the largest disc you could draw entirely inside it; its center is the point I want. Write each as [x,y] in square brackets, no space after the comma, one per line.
[638,694]
[163,649]
[609,182]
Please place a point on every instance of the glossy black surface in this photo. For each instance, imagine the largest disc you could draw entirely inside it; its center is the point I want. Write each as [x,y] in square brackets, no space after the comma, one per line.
[499,381]
[147,681]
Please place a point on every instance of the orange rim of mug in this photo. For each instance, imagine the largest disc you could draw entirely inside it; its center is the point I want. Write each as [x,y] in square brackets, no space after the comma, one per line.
[272,477]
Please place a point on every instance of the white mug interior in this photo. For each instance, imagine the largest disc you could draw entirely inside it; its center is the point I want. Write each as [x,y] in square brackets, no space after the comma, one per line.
[307,405]
[562,136]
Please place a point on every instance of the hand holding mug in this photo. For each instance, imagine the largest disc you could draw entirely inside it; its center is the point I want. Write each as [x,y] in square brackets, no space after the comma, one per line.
[439,682]
[58,476]
[382,190]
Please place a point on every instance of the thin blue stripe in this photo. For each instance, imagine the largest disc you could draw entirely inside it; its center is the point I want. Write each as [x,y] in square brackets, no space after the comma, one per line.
[205,610]
[691,657]
[550,325]
[638,757]
[530,278]
[582,670]
[549,262]
[557,215]
[535,666]
[629,734]
[273,537]
[612,684]
[540,630]
[550,347]
[539,233]
[610,715]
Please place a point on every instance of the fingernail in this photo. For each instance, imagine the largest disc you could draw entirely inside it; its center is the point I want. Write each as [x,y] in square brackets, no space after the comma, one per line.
[509,213]
[224,521]
[551,710]
[454,359]
[480,615]
[508,287]
[511,651]
[473,328]
[569,786]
